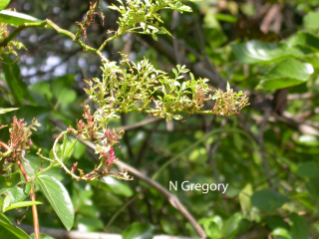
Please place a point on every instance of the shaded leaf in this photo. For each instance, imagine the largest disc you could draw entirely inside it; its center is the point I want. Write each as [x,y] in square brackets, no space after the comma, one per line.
[299,227]
[138,230]
[4,219]
[12,232]
[268,200]
[308,169]
[9,181]
[275,222]
[16,85]
[308,39]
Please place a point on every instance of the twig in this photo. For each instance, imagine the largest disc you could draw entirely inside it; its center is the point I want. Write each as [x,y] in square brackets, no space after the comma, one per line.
[138,125]
[174,201]
[32,195]
[34,207]
[254,233]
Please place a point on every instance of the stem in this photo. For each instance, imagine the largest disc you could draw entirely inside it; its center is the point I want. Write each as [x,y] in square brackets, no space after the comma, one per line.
[50,25]
[34,207]
[86,20]
[32,195]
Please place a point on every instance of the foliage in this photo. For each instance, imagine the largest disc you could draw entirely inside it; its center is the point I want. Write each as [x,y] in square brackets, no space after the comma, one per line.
[266,152]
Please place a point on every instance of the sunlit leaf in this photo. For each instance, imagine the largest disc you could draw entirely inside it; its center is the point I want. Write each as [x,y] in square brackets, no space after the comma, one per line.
[59,199]
[258,52]
[288,72]
[6,110]
[22,204]
[16,18]
[3,4]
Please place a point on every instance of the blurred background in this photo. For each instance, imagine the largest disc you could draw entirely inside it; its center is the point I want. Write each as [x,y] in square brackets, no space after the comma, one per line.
[268,154]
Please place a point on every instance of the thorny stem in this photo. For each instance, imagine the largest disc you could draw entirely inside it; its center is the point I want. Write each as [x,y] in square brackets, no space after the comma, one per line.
[32,195]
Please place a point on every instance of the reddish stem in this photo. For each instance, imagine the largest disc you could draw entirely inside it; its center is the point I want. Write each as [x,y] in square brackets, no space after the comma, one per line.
[32,195]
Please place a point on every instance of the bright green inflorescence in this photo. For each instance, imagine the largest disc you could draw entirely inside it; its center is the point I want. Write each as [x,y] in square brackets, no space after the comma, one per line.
[140,87]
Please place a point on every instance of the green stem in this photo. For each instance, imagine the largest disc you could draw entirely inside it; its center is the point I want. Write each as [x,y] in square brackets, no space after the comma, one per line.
[85,22]
[48,24]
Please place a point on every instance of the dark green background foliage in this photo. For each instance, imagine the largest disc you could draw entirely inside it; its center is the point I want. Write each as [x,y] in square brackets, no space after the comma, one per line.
[268,154]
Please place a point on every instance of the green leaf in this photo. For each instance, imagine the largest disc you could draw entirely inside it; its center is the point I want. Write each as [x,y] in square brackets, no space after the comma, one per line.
[268,200]
[275,222]
[231,226]
[4,4]
[308,140]
[12,76]
[6,202]
[306,200]
[258,52]
[22,204]
[59,198]
[9,181]
[281,233]
[244,199]
[307,39]
[4,219]
[299,227]
[16,18]
[41,92]
[6,110]
[226,17]
[12,232]
[138,230]
[212,226]
[60,88]
[113,185]
[90,224]
[311,20]
[67,148]
[18,193]
[312,187]
[308,169]
[288,72]
[42,236]
[67,96]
